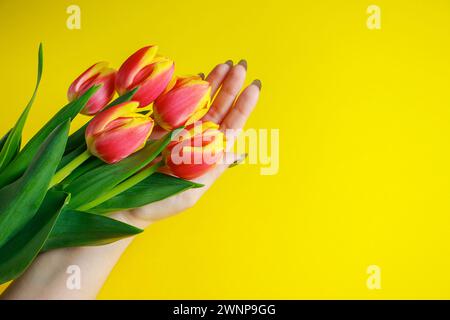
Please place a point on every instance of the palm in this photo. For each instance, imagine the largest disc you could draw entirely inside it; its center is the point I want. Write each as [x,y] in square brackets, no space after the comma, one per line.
[230,113]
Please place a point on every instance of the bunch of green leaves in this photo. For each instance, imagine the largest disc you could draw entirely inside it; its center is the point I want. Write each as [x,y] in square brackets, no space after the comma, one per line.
[34,219]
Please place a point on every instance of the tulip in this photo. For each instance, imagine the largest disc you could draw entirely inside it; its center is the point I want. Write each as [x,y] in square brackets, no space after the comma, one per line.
[186,100]
[98,74]
[117,132]
[198,148]
[146,70]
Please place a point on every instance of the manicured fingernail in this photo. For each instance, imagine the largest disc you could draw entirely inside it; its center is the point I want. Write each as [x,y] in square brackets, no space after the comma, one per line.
[239,160]
[202,75]
[229,62]
[243,63]
[257,83]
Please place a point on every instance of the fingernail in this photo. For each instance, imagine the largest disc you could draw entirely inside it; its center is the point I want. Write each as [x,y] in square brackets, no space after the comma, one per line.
[229,62]
[243,63]
[257,83]
[202,75]
[239,160]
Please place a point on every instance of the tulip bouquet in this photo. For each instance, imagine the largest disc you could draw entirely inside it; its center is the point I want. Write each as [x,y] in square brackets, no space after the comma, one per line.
[58,189]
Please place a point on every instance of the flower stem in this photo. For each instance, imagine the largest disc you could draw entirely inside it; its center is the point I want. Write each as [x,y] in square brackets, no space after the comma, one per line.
[127,184]
[68,169]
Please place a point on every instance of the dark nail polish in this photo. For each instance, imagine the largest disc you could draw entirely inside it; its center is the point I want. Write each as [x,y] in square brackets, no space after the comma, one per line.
[202,75]
[243,63]
[257,83]
[238,161]
[229,62]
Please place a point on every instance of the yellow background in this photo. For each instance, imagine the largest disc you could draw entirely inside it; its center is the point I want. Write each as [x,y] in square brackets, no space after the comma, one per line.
[364,119]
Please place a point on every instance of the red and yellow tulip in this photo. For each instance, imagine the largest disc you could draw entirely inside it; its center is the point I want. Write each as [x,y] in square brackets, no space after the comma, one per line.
[185,100]
[146,70]
[118,132]
[98,74]
[198,149]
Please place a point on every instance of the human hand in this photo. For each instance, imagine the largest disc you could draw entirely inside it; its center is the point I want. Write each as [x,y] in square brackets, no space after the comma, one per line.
[230,110]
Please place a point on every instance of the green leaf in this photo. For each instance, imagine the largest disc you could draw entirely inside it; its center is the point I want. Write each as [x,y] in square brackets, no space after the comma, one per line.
[100,180]
[123,98]
[76,139]
[12,143]
[66,159]
[87,166]
[16,168]
[123,186]
[3,140]
[77,228]
[18,253]
[155,188]
[20,200]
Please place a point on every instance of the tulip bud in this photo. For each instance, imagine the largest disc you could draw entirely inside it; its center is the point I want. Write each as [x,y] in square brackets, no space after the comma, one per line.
[186,100]
[117,132]
[98,74]
[197,150]
[146,70]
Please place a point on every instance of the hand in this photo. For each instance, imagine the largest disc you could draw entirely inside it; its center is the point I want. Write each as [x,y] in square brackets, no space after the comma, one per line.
[46,277]
[229,113]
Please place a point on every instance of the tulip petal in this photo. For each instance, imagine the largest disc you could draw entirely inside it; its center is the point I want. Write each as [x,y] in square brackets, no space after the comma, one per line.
[132,66]
[103,96]
[202,108]
[182,104]
[117,144]
[90,73]
[99,123]
[98,74]
[195,168]
[155,84]
[196,151]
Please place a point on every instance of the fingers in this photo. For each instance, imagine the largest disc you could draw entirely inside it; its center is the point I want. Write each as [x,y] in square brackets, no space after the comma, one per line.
[230,89]
[238,115]
[178,203]
[217,75]
[229,159]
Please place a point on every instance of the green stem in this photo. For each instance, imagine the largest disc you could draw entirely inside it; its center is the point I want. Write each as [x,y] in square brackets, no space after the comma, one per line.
[68,169]
[127,184]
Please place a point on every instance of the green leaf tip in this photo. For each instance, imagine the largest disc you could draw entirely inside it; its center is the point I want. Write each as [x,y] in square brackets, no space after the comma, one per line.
[78,228]
[17,167]
[12,144]
[156,187]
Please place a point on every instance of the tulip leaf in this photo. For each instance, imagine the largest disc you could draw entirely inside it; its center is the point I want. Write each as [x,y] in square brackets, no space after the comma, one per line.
[12,143]
[17,167]
[3,140]
[157,187]
[20,200]
[77,228]
[100,180]
[18,253]
[76,139]
[69,157]
[87,166]
[123,98]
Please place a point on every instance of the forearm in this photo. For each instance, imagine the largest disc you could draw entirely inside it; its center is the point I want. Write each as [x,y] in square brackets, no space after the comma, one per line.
[47,277]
